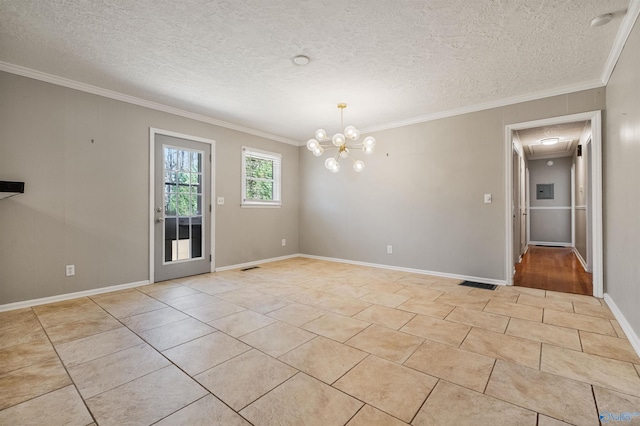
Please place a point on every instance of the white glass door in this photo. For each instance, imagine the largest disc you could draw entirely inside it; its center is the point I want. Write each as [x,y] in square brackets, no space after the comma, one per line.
[182,216]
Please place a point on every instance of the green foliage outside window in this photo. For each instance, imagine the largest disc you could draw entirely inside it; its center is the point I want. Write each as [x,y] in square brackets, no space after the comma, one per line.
[183,195]
[259,179]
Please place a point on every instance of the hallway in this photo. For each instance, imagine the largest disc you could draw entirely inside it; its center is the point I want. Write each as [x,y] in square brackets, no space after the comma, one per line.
[553,268]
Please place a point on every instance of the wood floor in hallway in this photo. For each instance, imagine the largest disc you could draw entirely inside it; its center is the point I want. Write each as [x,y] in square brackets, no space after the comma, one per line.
[553,268]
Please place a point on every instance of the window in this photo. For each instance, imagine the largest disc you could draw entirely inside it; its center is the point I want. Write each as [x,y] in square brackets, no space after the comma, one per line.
[260,178]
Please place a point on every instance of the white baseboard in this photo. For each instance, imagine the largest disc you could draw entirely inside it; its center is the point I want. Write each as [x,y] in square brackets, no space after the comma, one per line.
[255,262]
[626,327]
[580,259]
[67,296]
[62,297]
[411,270]
[550,243]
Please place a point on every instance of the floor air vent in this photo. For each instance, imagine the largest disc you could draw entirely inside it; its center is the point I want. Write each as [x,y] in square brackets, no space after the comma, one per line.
[250,268]
[478,285]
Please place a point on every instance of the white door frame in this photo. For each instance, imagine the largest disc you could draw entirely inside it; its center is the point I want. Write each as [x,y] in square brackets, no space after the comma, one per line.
[573,206]
[596,190]
[152,137]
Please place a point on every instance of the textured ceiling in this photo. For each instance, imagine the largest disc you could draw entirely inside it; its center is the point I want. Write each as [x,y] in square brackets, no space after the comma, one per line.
[390,60]
[568,133]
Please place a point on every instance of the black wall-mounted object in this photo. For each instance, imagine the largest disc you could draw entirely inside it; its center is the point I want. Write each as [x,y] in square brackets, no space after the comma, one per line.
[579,152]
[9,189]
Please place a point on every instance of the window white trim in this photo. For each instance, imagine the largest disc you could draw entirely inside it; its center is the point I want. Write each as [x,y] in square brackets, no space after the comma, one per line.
[276,158]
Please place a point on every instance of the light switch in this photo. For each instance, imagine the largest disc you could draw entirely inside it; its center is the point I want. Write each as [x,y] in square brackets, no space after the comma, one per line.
[487,198]
[220,201]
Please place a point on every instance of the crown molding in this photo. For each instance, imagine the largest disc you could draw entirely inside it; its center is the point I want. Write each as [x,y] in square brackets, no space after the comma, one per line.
[487,105]
[83,87]
[629,20]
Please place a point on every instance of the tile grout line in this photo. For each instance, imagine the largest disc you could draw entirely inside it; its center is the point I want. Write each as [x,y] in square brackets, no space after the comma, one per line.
[84,402]
[179,368]
[426,399]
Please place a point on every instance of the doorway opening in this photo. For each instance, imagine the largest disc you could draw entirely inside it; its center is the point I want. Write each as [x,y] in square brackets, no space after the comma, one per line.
[554,202]
[553,268]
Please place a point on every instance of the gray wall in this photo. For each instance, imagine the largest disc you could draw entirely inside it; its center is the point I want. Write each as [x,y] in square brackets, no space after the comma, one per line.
[87,203]
[551,219]
[422,192]
[621,177]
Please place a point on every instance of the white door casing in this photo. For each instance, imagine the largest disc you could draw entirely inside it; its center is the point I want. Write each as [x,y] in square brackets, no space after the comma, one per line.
[181,239]
[595,188]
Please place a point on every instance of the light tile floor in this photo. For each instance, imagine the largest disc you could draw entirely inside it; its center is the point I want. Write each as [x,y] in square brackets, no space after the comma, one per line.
[308,342]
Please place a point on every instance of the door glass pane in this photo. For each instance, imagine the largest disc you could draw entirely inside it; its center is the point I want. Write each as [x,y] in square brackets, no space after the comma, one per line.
[196,158]
[170,158]
[196,236]
[183,191]
[183,160]
[169,238]
[170,204]
[197,205]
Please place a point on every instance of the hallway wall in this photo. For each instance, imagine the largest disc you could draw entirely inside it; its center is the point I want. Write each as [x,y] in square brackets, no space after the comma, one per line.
[551,219]
[621,177]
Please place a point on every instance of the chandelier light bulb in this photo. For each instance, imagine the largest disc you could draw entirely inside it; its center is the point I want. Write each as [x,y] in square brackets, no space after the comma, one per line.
[338,139]
[367,149]
[318,151]
[352,133]
[312,144]
[336,168]
[330,163]
[358,166]
[344,153]
[321,135]
[369,141]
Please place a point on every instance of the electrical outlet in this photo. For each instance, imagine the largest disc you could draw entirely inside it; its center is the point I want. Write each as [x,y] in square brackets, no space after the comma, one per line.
[220,201]
[70,270]
[284,242]
[389,249]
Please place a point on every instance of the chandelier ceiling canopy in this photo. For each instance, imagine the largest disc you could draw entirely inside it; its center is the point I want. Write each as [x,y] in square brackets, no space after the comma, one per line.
[345,144]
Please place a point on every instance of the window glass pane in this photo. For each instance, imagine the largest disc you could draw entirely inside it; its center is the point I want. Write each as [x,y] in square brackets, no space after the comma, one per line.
[259,190]
[259,168]
[183,178]
[183,203]
[169,238]
[196,162]
[181,246]
[170,205]
[196,237]
[170,158]
[169,177]
[183,160]
[197,204]
[183,228]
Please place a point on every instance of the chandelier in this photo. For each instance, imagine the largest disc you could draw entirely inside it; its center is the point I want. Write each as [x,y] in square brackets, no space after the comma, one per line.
[344,142]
